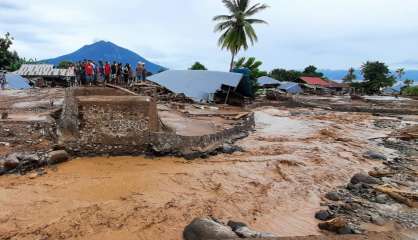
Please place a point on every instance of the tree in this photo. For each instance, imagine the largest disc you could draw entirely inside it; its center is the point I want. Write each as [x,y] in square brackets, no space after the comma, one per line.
[253,65]
[400,72]
[8,60]
[65,64]
[408,82]
[285,75]
[198,66]
[310,71]
[377,76]
[237,27]
[351,75]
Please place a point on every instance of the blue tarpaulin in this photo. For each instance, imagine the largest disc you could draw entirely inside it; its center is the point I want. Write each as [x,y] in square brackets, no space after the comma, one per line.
[16,82]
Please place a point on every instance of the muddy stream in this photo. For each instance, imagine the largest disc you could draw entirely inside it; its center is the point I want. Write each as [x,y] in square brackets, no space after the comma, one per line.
[275,185]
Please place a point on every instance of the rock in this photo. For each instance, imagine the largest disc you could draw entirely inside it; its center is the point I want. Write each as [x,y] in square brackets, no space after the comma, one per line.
[59,156]
[338,225]
[235,225]
[205,228]
[378,220]
[382,198]
[4,115]
[11,162]
[375,155]
[333,196]
[323,215]
[243,231]
[30,158]
[363,178]
[33,175]
[230,149]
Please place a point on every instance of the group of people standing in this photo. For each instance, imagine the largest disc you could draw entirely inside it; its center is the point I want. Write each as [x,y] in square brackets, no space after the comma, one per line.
[89,73]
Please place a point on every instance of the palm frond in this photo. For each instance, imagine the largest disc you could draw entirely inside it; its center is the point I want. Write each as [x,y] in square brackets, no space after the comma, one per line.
[223,26]
[255,21]
[223,17]
[231,5]
[255,9]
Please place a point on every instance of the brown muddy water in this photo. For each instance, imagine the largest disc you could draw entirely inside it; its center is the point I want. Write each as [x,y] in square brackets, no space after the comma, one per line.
[276,185]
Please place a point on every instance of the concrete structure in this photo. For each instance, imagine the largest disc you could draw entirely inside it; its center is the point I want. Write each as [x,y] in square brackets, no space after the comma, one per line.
[97,121]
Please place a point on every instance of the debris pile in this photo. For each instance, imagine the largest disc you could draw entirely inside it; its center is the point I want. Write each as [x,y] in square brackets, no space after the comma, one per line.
[387,194]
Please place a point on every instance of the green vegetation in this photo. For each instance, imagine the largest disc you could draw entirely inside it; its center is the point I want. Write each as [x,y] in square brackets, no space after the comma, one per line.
[350,76]
[9,60]
[285,75]
[253,65]
[65,64]
[198,66]
[237,27]
[377,76]
[408,82]
[311,71]
[411,91]
[293,75]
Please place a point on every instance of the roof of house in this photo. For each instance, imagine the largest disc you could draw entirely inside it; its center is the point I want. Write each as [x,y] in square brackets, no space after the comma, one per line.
[267,80]
[291,87]
[315,81]
[196,84]
[43,70]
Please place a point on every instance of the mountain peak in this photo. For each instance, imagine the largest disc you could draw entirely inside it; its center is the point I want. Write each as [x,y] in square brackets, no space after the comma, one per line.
[106,51]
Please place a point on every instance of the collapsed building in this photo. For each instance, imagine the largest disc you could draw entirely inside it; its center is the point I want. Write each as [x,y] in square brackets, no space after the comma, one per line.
[97,121]
[45,75]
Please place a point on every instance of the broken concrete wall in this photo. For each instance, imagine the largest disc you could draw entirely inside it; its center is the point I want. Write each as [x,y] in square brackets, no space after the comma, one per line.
[173,143]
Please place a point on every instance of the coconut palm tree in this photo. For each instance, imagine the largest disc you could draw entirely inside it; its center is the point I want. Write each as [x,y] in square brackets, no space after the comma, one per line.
[237,26]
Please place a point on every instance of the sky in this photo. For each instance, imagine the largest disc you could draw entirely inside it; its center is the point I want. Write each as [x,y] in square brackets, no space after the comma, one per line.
[330,34]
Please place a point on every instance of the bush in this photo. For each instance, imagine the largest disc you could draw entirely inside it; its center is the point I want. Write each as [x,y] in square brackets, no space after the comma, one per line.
[411,91]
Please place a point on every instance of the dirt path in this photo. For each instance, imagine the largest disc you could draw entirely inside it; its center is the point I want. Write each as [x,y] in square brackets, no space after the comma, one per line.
[276,185]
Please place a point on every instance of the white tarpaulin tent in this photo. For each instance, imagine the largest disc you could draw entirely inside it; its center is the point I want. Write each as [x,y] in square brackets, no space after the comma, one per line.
[196,84]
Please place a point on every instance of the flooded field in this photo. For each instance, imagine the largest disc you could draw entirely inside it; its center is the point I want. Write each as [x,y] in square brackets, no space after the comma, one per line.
[292,158]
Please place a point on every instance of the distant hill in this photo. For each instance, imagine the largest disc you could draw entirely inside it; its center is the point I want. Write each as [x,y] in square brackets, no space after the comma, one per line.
[340,74]
[106,51]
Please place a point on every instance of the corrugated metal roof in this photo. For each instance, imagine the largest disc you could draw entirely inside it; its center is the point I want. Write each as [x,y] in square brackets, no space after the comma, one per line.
[290,87]
[315,81]
[267,80]
[44,70]
[194,83]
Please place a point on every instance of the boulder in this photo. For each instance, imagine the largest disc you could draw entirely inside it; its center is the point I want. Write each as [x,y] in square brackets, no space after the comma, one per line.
[243,231]
[382,199]
[59,156]
[323,215]
[363,178]
[378,220]
[334,196]
[375,155]
[338,225]
[11,162]
[206,228]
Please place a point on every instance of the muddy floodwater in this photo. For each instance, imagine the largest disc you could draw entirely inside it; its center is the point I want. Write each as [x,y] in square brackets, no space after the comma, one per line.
[275,185]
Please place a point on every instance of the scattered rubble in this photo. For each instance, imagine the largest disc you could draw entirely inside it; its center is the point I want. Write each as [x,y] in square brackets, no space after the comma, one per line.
[381,196]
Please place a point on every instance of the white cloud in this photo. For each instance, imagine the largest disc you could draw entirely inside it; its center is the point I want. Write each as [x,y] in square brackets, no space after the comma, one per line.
[327,33]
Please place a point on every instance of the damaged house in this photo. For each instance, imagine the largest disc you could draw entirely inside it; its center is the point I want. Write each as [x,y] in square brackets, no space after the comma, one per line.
[45,75]
[203,86]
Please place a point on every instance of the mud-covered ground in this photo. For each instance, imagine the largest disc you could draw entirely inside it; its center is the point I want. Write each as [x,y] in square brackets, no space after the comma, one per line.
[276,184]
